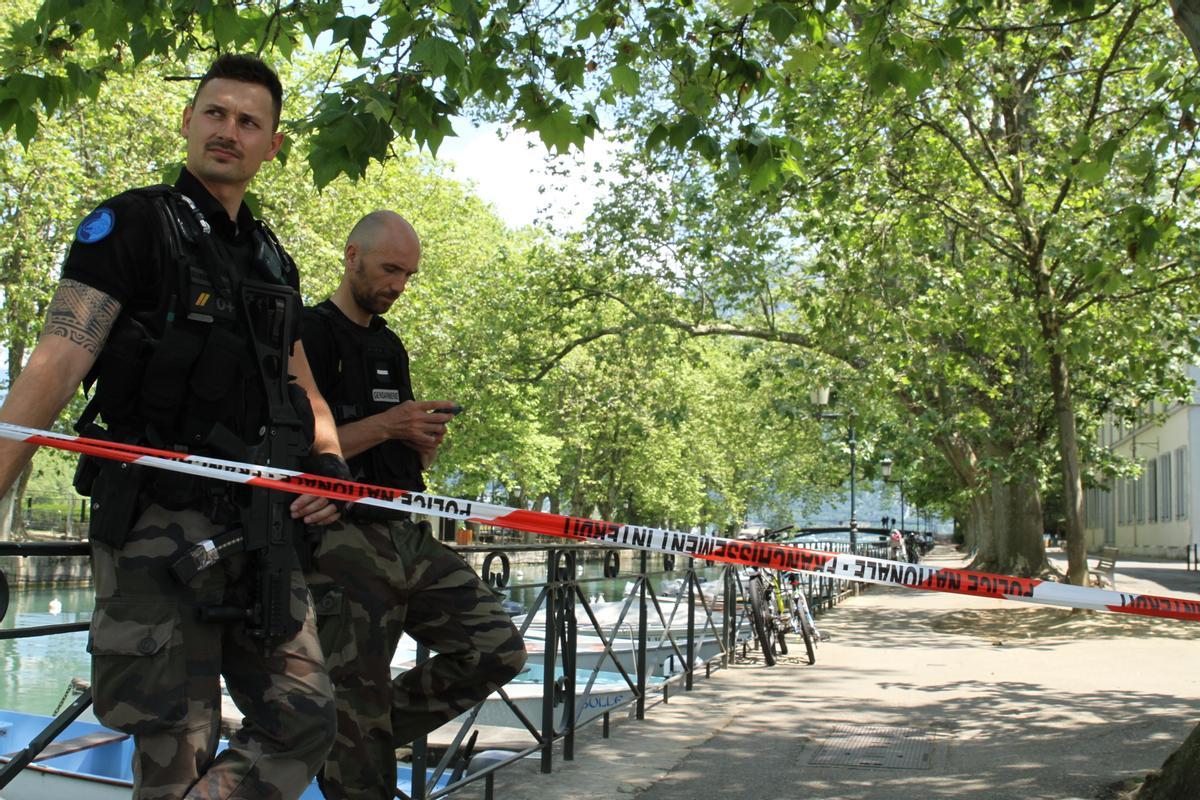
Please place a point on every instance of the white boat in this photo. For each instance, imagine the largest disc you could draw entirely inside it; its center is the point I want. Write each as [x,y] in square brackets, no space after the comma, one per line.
[617,622]
[673,587]
[620,617]
[662,660]
[90,762]
[661,656]
[607,691]
[596,691]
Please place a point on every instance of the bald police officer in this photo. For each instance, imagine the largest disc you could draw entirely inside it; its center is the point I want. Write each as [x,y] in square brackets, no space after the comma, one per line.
[377,573]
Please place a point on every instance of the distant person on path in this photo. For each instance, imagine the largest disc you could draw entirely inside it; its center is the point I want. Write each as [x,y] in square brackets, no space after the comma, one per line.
[377,573]
[912,548]
[896,551]
[173,300]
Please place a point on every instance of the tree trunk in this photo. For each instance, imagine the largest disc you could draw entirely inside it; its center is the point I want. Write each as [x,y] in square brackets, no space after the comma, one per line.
[1068,453]
[12,521]
[985,520]
[1003,527]
[17,517]
[977,527]
[1024,545]
[1187,17]
[1014,544]
[6,514]
[1179,775]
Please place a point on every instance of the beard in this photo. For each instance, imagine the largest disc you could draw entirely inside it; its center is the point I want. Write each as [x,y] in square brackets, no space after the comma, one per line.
[369,300]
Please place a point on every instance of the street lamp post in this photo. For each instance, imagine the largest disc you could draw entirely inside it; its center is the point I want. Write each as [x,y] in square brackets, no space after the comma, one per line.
[820,399]
[885,466]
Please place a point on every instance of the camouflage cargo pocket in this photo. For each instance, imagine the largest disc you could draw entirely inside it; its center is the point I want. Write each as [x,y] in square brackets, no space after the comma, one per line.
[139,673]
[331,608]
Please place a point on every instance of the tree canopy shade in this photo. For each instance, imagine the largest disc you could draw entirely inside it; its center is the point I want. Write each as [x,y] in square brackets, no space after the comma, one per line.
[1035,158]
[641,429]
[722,71]
[1006,246]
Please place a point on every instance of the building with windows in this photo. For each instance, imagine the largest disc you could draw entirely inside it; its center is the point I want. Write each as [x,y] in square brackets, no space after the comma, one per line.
[1155,513]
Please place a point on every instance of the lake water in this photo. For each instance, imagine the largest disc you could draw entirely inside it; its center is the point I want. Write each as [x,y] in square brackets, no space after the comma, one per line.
[37,671]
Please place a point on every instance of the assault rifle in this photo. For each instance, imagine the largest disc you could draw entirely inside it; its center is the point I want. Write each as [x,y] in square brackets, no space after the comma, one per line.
[269,531]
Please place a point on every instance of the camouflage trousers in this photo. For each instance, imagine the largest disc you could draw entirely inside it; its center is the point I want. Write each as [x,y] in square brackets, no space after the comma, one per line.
[372,581]
[156,670]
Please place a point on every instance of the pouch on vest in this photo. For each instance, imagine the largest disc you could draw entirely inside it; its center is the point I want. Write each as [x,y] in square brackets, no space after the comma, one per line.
[115,502]
[163,396]
[120,369]
[86,472]
[217,366]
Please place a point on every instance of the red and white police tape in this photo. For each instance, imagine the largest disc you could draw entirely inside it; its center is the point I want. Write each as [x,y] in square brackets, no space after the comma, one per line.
[712,548]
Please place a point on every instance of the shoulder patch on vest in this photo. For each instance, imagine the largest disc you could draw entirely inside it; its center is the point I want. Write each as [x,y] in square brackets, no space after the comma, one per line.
[96,226]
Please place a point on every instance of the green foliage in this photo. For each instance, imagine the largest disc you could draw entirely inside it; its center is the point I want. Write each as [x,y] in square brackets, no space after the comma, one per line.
[638,427]
[554,70]
[970,204]
[932,201]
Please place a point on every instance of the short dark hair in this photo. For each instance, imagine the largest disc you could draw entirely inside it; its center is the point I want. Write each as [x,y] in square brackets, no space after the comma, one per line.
[247,69]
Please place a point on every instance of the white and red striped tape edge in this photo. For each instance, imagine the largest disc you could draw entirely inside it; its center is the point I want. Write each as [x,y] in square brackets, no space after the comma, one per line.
[712,548]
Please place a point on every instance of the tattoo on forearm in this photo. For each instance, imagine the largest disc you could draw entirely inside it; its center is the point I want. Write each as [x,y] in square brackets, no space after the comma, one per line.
[81,314]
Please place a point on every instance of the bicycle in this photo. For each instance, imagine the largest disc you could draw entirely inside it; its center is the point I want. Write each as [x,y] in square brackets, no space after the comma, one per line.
[776,612]
[764,615]
[796,614]
[778,607]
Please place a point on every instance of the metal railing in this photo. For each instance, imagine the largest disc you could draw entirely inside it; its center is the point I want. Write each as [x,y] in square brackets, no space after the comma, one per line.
[645,638]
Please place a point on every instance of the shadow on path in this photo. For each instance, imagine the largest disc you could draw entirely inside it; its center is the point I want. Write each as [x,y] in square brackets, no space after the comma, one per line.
[1006,740]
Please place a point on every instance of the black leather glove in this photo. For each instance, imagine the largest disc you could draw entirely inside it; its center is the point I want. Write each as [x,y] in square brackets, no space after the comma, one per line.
[331,465]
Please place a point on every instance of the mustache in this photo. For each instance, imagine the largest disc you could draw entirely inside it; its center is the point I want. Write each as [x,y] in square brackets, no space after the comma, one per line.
[223,144]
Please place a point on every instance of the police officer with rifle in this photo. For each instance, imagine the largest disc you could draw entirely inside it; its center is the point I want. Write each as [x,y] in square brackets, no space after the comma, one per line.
[179,310]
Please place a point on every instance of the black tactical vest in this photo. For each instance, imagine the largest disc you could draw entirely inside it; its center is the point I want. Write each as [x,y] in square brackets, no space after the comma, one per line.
[187,376]
[372,376]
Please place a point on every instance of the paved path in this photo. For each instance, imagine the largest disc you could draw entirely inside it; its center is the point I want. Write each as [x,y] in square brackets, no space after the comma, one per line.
[1009,701]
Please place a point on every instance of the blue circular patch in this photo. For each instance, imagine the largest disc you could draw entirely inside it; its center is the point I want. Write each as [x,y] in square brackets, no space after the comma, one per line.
[96,226]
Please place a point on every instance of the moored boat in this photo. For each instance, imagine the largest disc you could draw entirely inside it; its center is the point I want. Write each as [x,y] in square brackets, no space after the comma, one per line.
[90,762]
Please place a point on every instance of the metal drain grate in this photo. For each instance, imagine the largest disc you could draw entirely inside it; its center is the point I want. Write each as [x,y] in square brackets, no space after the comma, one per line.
[875,747]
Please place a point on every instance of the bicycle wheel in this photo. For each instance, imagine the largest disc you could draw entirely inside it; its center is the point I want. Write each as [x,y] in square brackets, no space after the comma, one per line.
[764,627]
[810,645]
[808,630]
[780,635]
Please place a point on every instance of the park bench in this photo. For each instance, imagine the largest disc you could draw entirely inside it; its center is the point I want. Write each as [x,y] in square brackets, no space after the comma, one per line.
[1105,569]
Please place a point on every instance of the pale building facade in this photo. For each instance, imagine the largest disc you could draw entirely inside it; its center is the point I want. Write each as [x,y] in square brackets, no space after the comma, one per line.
[1156,513]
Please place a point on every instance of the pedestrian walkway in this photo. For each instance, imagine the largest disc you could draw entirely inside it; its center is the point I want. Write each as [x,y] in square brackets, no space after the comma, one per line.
[950,696]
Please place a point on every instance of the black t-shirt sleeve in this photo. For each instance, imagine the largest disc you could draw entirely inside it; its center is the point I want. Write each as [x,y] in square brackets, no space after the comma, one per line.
[115,250]
[319,348]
